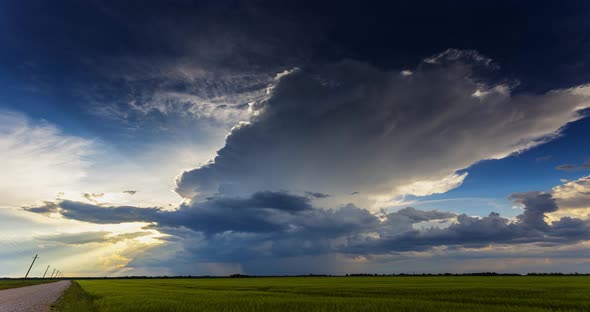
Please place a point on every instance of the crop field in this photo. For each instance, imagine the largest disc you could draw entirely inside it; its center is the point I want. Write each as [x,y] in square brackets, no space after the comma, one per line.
[14,283]
[548,293]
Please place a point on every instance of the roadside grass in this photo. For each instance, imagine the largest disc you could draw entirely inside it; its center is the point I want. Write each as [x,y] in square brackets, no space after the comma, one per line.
[74,299]
[14,283]
[531,293]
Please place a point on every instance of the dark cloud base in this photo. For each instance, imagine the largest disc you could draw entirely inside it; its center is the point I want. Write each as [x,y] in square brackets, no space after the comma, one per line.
[279,225]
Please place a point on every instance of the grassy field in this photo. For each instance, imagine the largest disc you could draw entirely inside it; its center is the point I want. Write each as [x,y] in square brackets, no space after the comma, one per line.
[333,294]
[13,283]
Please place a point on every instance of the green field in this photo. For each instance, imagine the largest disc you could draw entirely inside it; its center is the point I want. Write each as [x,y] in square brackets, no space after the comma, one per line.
[457,293]
[14,283]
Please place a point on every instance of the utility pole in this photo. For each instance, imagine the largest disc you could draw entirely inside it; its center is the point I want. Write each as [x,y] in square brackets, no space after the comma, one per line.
[45,271]
[52,273]
[35,258]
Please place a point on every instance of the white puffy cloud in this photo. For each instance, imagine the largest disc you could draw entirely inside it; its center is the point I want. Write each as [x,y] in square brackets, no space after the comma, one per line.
[573,198]
[349,127]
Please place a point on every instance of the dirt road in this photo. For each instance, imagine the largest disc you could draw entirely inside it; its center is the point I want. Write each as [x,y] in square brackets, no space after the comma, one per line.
[37,298]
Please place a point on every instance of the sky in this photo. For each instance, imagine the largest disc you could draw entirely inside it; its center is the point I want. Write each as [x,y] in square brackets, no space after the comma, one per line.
[309,137]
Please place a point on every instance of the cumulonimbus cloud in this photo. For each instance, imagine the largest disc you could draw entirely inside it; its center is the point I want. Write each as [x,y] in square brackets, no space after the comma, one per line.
[349,127]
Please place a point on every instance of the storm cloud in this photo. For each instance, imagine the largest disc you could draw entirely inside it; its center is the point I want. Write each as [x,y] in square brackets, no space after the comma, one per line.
[530,227]
[348,127]
[282,185]
[278,224]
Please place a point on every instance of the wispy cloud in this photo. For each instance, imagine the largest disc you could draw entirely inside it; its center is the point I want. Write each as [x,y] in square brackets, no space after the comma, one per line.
[574,167]
[567,167]
[38,160]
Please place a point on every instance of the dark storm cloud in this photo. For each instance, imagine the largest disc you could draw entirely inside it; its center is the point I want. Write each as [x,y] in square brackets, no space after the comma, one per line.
[420,215]
[469,231]
[536,205]
[349,126]
[104,215]
[283,225]
[568,229]
[261,212]
[270,200]
[530,227]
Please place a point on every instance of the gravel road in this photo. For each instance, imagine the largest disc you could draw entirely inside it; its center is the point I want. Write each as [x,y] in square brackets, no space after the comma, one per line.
[37,298]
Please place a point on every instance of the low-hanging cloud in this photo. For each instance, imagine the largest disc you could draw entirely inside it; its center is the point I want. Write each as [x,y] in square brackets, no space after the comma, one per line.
[278,224]
[350,127]
[530,227]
